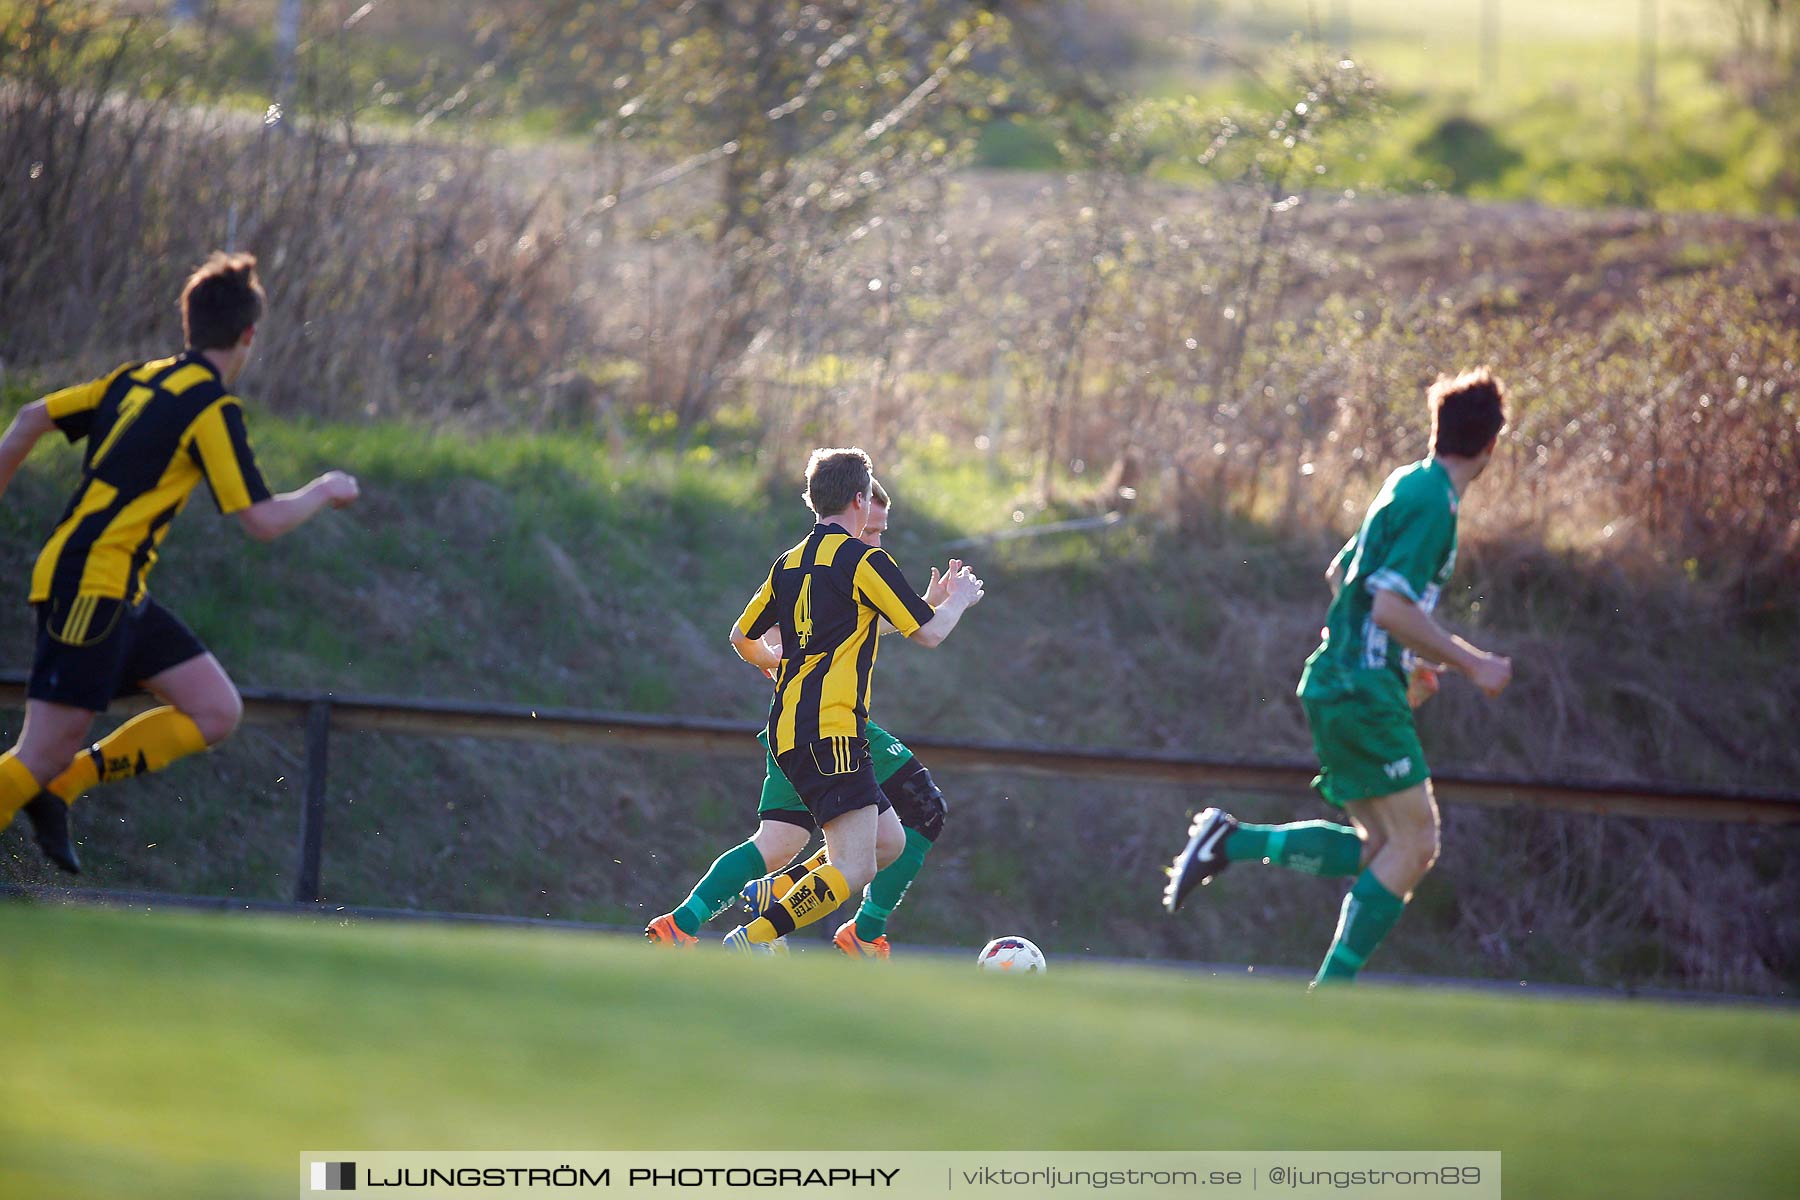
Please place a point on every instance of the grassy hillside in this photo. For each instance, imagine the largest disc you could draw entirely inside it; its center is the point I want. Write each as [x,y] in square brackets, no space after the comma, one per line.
[558,570]
[1551,104]
[240,1041]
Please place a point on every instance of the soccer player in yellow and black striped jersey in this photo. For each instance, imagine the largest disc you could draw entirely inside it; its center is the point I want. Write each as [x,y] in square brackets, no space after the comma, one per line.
[154,430]
[828,596]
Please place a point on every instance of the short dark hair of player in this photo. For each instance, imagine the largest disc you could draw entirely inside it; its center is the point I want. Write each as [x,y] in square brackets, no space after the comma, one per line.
[878,494]
[1467,412]
[836,477]
[221,299]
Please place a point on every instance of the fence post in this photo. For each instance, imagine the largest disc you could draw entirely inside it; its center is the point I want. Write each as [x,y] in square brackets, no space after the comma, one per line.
[312,809]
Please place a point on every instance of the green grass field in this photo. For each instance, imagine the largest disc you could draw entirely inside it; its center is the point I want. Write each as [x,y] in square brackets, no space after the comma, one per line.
[158,1055]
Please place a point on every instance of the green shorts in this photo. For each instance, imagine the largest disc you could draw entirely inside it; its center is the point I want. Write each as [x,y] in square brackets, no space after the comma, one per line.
[1366,741]
[888,753]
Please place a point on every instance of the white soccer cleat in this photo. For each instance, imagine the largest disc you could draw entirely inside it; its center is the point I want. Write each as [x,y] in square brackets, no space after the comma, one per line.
[739,941]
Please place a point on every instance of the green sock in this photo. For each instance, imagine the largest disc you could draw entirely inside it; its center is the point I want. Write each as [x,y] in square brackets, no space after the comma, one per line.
[883,894]
[1313,847]
[1370,910]
[719,887]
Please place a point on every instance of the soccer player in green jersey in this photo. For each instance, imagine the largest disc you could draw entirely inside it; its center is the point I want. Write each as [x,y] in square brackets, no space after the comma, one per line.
[154,430]
[759,870]
[1358,697]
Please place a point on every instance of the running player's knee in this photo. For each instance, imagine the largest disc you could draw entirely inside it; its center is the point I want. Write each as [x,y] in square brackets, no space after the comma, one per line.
[218,718]
[46,754]
[1431,840]
[1373,844]
[890,841]
[858,874]
[780,843]
[1418,843]
[856,861]
[918,802]
[886,853]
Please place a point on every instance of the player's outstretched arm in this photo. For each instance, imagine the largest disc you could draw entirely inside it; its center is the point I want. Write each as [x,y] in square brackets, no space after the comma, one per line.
[268,519]
[1415,629]
[963,591]
[934,592]
[32,422]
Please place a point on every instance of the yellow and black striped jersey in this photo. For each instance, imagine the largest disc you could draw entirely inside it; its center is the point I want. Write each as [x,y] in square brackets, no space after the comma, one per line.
[828,595]
[154,430]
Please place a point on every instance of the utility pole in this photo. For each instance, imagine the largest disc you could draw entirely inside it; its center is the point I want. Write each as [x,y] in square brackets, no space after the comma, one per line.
[1340,23]
[287,43]
[1647,56]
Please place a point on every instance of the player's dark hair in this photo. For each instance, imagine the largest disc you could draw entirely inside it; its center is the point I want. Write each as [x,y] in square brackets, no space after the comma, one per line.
[835,477]
[1467,412]
[878,494]
[221,299]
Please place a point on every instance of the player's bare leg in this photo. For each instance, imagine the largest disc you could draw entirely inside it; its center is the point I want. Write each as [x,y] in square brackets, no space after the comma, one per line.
[850,852]
[1406,825]
[201,708]
[850,847]
[1404,829]
[201,690]
[52,735]
[890,839]
[890,842]
[780,843]
[773,846]
[1372,826]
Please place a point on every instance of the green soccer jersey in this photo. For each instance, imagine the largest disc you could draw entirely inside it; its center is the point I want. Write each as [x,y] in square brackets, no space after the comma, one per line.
[1407,544]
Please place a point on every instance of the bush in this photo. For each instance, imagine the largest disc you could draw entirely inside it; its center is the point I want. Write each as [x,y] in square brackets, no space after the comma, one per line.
[399,276]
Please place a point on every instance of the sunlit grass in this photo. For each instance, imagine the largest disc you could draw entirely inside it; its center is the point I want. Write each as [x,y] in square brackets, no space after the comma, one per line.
[167,1055]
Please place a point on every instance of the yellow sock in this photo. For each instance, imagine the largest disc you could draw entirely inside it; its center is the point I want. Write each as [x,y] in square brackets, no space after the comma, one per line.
[17,786]
[816,894]
[148,742]
[77,777]
[784,881]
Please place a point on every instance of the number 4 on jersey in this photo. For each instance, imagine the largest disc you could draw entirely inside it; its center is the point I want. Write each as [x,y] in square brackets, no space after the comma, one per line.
[803,622]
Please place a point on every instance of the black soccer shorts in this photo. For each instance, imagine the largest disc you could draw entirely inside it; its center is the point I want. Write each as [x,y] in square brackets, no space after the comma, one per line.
[833,776]
[93,649]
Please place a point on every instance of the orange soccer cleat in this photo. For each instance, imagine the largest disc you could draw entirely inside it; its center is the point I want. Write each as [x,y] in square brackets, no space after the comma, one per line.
[664,932]
[847,941]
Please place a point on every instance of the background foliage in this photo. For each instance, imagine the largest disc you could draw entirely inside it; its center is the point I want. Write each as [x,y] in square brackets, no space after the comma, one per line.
[574,294]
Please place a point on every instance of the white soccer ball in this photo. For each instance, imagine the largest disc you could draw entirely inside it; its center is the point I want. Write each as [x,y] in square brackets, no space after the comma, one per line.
[1013,954]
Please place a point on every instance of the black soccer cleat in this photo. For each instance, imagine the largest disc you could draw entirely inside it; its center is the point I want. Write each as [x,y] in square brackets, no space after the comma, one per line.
[1202,858]
[49,818]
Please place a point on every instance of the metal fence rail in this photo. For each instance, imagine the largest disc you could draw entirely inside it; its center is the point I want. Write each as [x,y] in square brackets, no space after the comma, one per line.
[321,714]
